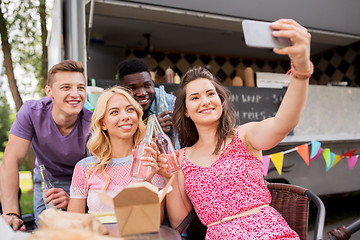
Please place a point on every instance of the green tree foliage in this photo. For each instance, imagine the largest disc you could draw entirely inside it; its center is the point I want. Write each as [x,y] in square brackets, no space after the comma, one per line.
[4,120]
[23,37]
[26,23]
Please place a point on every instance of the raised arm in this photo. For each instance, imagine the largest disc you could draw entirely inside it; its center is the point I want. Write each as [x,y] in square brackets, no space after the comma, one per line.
[269,132]
[15,153]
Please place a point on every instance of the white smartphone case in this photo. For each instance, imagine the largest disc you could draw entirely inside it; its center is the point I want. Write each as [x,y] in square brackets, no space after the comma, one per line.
[259,34]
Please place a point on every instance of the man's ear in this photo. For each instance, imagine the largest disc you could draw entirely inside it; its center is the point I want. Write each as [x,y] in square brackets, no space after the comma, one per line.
[48,91]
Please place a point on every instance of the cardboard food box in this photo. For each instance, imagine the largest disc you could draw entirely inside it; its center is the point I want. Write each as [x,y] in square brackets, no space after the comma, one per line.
[137,207]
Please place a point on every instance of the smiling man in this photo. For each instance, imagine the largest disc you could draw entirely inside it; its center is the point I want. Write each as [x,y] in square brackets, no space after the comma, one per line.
[57,127]
[134,74]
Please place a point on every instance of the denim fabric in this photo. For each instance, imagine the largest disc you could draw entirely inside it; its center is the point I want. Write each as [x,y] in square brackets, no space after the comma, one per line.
[39,204]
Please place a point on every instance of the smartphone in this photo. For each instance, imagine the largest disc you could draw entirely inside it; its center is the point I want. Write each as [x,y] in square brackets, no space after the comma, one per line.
[259,34]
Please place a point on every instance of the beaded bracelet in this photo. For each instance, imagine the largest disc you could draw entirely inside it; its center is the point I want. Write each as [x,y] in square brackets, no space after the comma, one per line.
[13,214]
[300,75]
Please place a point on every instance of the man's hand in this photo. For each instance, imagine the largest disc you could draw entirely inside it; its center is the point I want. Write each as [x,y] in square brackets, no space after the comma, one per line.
[164,120]
[58,196]
[15,222]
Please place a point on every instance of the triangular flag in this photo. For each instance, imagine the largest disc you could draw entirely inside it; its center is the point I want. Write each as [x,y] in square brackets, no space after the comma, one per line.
[349,154]
[266,162]
[352,161]
[326,155]
[332,158]
[317,155]
[303,150]
[337,158]
[277,159]
[315,146]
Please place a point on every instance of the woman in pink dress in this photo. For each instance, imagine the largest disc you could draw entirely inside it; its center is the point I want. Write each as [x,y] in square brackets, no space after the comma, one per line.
[116,126]
[222,169]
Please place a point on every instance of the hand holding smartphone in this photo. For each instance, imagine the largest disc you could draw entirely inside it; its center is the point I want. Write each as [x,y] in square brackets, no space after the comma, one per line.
[259,34]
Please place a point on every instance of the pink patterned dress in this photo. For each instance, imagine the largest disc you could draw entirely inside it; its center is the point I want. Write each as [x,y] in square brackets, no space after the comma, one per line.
[233,184]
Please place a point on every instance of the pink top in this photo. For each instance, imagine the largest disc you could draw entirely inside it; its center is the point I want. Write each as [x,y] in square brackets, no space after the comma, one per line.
[119,173]
[233,184]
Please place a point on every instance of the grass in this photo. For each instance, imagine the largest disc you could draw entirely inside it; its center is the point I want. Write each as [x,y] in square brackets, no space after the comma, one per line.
[26,202]
[26,199]
[26,183]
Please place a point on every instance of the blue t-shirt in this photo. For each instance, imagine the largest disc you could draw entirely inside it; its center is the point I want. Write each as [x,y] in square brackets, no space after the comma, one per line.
[58,153]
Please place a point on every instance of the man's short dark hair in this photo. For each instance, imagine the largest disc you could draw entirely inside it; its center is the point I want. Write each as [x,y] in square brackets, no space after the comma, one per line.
[131,66]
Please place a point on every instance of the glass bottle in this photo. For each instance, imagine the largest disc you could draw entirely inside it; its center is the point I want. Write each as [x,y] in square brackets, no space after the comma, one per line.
[138,169]
[166,148]
[46,184]
[162,105]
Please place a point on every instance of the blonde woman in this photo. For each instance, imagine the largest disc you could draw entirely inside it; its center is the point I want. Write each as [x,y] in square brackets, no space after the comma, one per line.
[116,127]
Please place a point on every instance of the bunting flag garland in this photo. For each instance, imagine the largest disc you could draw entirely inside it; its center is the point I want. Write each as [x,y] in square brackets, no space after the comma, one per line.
[331,159]
[352,161]
[337,158]
[315,149]
[266,162]
[278,159]
[349,154]
[327,157]
[317,155]
[303,151]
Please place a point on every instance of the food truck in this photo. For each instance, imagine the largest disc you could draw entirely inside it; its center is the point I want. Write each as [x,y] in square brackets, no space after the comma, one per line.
[179,34]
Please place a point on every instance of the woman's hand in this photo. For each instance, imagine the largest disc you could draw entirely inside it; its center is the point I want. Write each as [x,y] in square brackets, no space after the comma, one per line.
[58,196]
[150,159]
[163,165]
[269,132]
[299,51]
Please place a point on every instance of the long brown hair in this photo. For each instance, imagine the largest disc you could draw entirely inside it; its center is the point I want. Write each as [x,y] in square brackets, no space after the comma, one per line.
[185,128]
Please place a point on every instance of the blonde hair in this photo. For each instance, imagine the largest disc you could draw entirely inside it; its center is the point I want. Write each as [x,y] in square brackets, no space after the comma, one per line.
[99,144]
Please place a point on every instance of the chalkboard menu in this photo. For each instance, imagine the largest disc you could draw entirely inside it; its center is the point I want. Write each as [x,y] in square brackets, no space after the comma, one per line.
[251,103]
[255,104]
